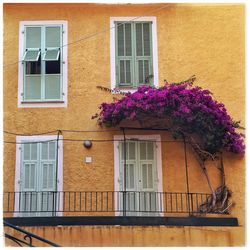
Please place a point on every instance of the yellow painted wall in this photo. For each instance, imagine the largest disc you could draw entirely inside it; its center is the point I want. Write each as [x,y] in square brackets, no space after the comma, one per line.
[136,236]
[205,40]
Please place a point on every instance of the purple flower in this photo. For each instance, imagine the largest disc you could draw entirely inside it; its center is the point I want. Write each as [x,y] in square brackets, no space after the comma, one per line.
[192,108]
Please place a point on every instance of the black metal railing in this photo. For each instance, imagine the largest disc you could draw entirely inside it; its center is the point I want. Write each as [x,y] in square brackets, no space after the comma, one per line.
[23,238]
[129,203]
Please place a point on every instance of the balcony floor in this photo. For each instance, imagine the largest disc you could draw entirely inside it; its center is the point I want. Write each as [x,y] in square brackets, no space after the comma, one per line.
[122,220]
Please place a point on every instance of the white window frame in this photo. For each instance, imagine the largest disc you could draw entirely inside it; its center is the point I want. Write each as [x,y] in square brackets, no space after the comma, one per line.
[38,138]
[155,138]
[112,49]
[45,104]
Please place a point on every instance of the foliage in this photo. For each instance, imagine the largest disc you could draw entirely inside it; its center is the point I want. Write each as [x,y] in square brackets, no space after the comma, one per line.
[188,109]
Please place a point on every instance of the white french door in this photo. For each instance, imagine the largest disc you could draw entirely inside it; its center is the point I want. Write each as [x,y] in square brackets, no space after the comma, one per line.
[140,184]
[38,179]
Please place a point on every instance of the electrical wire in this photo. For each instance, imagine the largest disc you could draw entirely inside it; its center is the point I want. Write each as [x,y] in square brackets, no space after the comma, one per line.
[94,140]
[99,32]
[31,134]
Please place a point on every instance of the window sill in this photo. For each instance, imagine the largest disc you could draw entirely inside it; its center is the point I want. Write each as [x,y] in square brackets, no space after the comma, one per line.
[42,104]
[38,102]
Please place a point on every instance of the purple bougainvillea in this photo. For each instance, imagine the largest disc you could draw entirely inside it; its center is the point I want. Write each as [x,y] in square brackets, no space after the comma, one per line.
[191,109]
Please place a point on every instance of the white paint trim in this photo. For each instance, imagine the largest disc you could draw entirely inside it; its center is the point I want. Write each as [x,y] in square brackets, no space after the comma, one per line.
[39,138]
[157,139]
[112,48]
[64,69]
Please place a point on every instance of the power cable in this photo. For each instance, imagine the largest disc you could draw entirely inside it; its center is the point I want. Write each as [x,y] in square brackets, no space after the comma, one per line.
[99,32]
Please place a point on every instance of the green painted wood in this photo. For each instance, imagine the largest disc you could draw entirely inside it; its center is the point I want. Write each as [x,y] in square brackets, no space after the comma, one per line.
[134,58]
[48,40]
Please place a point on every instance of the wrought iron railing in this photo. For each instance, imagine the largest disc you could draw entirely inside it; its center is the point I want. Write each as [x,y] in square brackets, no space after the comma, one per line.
[128,203]
[23,238]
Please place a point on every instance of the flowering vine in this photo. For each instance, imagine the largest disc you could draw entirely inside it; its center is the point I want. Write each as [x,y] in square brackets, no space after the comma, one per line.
[188,111]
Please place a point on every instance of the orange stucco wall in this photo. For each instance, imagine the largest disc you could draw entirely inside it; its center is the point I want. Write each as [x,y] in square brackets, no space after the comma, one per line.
[137,236]
[202,39]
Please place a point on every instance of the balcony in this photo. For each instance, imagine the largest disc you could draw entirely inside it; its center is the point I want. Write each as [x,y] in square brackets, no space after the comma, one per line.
[110,207]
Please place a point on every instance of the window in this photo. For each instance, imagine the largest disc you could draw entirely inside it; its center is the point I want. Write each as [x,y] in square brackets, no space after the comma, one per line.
[38,175]
[43,70]
[143,180]
[133,52]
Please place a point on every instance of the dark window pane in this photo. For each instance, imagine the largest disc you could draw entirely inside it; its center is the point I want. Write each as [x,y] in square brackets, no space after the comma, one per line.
[33,67]
[53,67]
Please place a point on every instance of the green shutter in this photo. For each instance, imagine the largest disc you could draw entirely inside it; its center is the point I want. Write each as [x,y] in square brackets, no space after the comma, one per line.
[29,168]
[52,60]
[124,54]
[43,63]
[38,178]
[134,59]
[33,37]
[143,58]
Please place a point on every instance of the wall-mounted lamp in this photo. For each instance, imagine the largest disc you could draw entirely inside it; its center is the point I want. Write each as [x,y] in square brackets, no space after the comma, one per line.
[87,143]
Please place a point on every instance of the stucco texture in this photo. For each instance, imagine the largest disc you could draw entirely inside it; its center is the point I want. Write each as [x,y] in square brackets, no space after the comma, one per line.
[202,39]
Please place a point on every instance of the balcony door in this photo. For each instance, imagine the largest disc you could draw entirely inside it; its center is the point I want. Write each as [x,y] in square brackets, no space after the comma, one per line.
[138,179]
[37,195]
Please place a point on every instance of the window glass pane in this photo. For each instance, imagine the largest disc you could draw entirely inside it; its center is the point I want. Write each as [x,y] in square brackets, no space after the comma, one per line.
[51,55]
[33,37]
[31,55]
[26,151]
[52,87]
[146,39]
[52,150]
[120,39]
[32,88]
[33,68]
[128,39]
[53,67]
[52,37]
[44,150]
[139,39]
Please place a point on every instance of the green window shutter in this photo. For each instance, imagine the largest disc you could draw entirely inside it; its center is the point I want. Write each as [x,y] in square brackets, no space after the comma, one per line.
[146,164]
[33,37]
[124,54]
[48,175]
[43,63]
[130,164]
[38,178]
[29,168]
[52,61]
[48,156]
[32,63]
[143,57]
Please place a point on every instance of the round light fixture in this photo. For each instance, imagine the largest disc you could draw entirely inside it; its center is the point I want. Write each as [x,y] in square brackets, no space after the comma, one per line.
[87,143]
